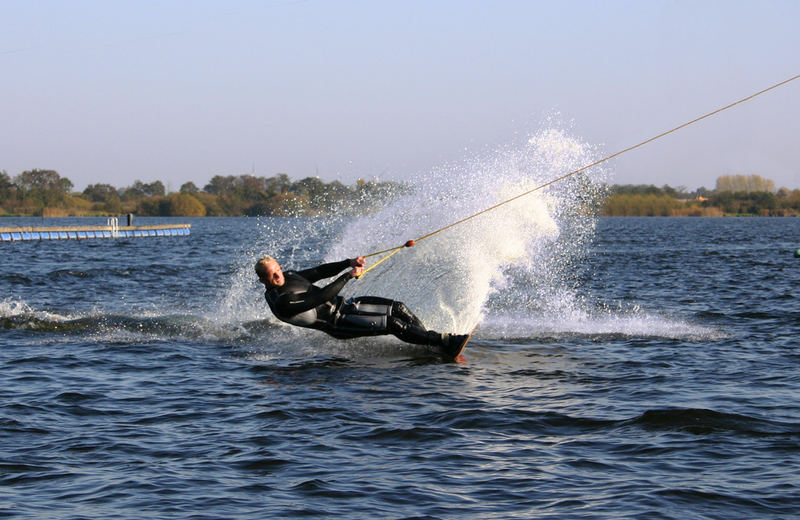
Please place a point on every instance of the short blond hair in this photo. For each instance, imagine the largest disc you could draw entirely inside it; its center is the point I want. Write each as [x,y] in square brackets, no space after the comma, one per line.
[261,265]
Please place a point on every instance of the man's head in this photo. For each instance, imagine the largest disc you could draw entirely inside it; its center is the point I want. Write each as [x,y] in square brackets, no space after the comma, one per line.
[269,272]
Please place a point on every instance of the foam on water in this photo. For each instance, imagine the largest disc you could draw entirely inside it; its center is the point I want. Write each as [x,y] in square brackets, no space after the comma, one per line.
[579,322]
[12,307]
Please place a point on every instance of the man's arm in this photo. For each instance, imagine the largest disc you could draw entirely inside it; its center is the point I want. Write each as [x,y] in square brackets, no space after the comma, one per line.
[294,303]
[324,271]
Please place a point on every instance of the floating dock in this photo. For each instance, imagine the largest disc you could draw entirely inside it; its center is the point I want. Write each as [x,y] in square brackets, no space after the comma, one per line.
[112,230]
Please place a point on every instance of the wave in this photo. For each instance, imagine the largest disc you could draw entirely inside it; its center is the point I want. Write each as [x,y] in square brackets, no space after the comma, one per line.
[85,275]
[151,325]
[686,420]
[703,421]
[133,326]
[266,336]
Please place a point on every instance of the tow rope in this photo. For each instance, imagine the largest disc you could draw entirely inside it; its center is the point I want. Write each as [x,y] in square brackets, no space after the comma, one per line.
[394,250]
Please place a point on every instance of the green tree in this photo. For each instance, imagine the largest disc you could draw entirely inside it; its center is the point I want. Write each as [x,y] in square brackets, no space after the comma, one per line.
[312,190]
[288,205]
[211,203]
[139,190]
[762,203]
[219,184]
[189,187]
[636,189]
[105,197]
[182,205]
[744,183]
[155,189]
[132,192]
[100,192]
[6,186]
[276,184]
[249,188]
[44,187]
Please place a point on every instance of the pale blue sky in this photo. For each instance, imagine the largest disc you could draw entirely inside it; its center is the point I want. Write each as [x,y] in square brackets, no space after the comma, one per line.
[111,91]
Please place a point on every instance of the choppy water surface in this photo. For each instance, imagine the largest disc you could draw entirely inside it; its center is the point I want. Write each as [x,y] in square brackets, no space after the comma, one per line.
[656,378]
[622,368]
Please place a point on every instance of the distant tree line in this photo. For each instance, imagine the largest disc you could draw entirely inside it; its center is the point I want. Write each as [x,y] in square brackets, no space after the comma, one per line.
[734,195]
[46,193]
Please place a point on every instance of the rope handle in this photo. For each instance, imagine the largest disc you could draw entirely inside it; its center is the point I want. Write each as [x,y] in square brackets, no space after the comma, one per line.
[394,251]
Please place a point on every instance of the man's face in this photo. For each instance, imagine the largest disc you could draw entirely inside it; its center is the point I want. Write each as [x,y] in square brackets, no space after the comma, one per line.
[274,274]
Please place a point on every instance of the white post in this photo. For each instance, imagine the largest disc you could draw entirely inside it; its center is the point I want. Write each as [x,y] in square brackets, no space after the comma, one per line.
[113,223]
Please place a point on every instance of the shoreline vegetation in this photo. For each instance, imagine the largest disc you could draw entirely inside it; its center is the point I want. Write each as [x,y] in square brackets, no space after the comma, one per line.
[45,193]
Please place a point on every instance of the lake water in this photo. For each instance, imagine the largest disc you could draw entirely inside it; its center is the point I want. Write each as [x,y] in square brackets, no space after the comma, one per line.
[629,368]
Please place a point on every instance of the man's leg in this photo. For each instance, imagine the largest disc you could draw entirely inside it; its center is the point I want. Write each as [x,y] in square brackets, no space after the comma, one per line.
[373,315]
[411,333]
[378,305]
[400,310]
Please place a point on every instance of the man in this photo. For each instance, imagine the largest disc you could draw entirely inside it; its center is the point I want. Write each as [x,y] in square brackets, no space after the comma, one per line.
[293,298]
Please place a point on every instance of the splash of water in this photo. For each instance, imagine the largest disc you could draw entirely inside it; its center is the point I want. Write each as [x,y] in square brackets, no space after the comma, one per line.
[520,250]
[12,308]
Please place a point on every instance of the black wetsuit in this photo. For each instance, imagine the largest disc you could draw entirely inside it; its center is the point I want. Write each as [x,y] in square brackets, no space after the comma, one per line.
[299,302]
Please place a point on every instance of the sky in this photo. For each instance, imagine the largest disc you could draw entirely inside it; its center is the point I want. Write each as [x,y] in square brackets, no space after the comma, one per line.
[178,91]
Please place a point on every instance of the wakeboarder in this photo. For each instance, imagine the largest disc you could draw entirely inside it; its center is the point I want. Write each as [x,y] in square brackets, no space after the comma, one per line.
[293,298]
